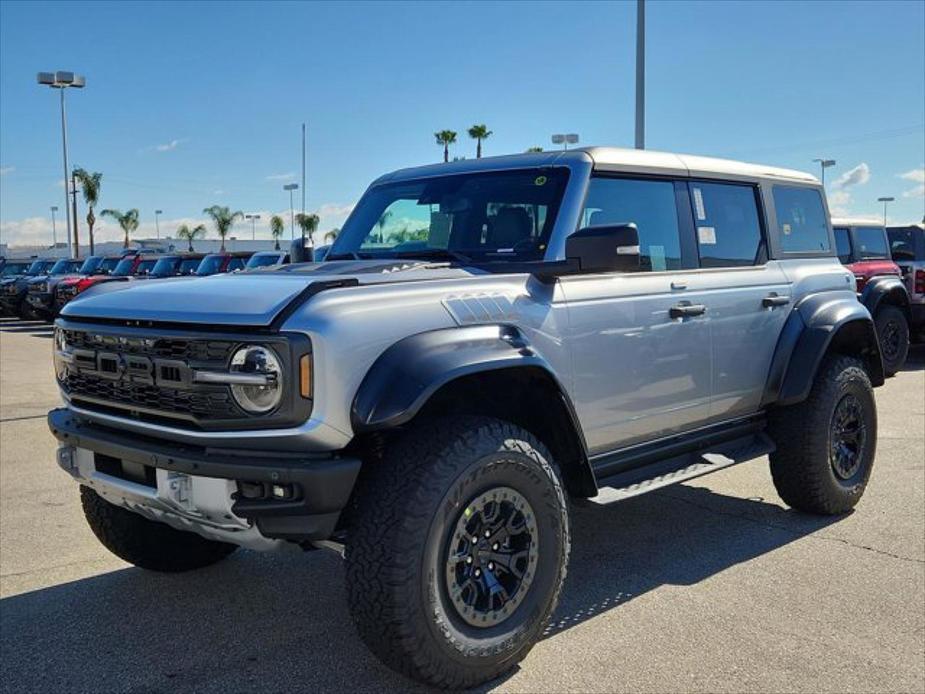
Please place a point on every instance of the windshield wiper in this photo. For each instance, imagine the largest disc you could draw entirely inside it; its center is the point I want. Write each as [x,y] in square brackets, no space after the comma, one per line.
[432,253]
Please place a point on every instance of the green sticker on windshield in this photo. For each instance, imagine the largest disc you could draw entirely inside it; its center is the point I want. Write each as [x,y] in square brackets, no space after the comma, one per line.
[540,181]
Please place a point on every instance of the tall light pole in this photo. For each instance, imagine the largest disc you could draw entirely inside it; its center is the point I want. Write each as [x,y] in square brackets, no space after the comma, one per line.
[885,201]
[62,80]
[157,225]
[253,218]
[54,230]
[291,187]
[303,168]
[640,74]
[823,165]
[565,140]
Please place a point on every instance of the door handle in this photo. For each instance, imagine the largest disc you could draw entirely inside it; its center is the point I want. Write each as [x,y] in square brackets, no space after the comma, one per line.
[772,300]
[686,310]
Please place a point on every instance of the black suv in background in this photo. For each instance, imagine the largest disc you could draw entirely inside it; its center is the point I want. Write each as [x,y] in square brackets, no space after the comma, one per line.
[40,291]
[185,264]
[13,289]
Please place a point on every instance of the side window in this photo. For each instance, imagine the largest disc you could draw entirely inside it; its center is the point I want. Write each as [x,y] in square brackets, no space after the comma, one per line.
[650,205]
[728,228]
[801,223]
[871,242]
[843,244]
[902,244]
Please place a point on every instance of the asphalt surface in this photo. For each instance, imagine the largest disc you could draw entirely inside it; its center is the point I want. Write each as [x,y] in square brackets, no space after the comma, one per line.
[711,586]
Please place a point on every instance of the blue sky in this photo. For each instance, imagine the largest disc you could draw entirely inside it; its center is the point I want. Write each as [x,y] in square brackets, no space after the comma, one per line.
[189,105]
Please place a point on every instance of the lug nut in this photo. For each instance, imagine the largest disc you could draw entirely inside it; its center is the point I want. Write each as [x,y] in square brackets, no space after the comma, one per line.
[496,547]
[478,573]
[468,560]
[488,533]
[491,566]
[475,538]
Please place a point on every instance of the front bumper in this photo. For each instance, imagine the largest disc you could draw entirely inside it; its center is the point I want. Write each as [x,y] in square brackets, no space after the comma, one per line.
[321,484]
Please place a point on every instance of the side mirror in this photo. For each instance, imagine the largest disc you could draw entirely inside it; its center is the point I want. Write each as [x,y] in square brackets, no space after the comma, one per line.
[609,248]
[300,253]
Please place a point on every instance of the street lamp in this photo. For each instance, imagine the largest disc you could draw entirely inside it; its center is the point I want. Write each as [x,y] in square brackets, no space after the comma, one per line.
[291,187]
[824,164]
[157,226]
[54,230]
[62,80]
[885,201]
[253,218]
[565,140]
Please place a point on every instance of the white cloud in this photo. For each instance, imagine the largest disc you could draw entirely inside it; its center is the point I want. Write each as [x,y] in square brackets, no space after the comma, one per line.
[839,203]
[916,176]
[857,176]
[7,170]
[169,146]
[281,177]
[218,192]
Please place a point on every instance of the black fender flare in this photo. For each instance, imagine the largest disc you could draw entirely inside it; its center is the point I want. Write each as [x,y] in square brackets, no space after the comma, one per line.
[407,373]
[818,322]
[886,289]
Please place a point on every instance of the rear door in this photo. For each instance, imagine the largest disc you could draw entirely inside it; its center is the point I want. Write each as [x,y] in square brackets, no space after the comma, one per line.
[747,296]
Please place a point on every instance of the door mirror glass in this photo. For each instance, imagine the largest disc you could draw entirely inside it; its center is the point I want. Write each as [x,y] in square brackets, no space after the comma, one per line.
[608,248]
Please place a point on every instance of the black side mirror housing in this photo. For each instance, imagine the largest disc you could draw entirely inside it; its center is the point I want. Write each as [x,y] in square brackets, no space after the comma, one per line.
[607,248]
[300,253]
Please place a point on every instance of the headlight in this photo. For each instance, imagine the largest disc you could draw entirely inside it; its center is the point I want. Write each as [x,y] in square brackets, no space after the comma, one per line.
[58,354]
[257,399]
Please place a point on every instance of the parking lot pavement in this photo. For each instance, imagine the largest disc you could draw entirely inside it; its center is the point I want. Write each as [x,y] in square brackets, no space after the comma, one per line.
[711,586]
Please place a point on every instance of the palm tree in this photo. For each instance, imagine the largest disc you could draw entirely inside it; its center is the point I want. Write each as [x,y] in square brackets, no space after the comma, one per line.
[534,149]
[90,185]
[445,138]
[223,218]
[308,223]
[277,227]
[479,133]
[189,235]
[128,221]
[331,236]
[382,221]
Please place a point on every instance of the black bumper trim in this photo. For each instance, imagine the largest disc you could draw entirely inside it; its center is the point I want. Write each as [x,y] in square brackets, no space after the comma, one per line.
[325,482]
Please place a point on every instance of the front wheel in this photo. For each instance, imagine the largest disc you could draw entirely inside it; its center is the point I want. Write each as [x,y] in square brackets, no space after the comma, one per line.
[826,444]
[893,335]
[457,551]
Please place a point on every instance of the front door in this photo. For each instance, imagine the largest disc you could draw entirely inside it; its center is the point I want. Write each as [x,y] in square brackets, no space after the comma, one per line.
[641,347]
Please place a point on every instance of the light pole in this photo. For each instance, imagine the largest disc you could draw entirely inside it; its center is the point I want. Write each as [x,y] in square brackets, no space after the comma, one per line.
[565,140]
[54,230]
[62,80]
[157,225]
[253,218]
[885,201]
[824,164]
[291,187]
[640,74]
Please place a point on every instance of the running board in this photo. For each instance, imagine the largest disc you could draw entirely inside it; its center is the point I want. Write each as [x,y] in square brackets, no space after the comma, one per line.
[664,473]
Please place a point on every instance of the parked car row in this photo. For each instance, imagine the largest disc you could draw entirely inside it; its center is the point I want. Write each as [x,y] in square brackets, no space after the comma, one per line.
[40,288]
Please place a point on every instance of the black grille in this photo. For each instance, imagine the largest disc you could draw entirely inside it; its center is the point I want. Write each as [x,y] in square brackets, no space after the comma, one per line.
[200,352]
[215,404]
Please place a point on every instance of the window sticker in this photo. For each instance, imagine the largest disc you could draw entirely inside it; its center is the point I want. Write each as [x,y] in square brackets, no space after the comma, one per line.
[657,258]
[706,236]
[698,204]
[786,229]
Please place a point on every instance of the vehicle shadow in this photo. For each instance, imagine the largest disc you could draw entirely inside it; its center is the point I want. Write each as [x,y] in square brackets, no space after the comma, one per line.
[35,327]
[915,361]
[279,621]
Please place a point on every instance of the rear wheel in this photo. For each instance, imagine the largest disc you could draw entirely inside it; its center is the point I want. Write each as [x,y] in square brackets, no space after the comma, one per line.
[147,543]
[826,444]
[893,335]
[458,550]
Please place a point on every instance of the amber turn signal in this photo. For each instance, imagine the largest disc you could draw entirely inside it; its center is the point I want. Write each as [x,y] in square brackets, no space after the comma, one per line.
[305,376]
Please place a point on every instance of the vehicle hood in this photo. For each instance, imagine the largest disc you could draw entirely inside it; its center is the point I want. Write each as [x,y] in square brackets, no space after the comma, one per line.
[251,299]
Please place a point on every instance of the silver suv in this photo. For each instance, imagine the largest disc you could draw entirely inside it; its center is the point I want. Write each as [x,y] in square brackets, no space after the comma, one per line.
[486,340]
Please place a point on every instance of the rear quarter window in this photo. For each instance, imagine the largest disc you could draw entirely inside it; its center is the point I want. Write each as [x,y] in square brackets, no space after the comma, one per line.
[801,220]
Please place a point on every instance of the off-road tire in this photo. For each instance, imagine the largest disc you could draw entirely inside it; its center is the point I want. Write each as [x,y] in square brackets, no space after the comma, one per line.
[146,543]
[802,467]
[890,319]
[406,507]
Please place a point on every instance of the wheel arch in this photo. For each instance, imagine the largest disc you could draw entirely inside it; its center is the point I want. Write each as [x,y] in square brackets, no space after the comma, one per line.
[886,290]
[819,325]
[488,370]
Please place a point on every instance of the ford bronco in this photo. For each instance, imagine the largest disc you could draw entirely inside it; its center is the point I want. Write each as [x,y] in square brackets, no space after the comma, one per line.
[487,342]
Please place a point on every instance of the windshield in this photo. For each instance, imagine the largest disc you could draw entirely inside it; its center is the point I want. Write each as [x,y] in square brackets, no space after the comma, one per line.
[107,266]
[90,265]
[505,215]
[61,267]
[188,266]
[210,265]
[14,269]
[38,267]
[902,244]
[124,268]
[145,267]
[165,266]
[871,242]
[260,260]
